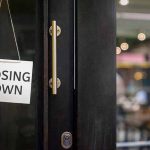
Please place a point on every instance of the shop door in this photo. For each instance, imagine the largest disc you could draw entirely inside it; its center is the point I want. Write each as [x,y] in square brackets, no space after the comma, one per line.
[81,115]
[73,88]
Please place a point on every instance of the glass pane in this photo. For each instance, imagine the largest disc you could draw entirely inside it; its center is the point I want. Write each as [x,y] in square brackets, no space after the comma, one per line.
[17,121]
[133,74]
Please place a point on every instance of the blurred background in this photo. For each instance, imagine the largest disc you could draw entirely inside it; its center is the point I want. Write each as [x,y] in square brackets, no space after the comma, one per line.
[133,74]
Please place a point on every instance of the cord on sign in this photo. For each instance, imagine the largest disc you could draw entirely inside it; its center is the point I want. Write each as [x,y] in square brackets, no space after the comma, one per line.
[13,28]
[1,3]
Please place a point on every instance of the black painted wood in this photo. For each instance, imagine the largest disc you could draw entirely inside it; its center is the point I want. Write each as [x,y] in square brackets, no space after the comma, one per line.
[40,72]
[61,106]
[96,74]
[46,77]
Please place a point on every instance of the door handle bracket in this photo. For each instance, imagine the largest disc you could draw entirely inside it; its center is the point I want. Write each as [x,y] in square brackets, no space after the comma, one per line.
[58,30]
[58,83]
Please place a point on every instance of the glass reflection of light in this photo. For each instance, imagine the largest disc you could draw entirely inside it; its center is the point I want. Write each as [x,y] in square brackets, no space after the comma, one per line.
[138,76]
[141,36]
[118,50]
[124,2]
[124,46]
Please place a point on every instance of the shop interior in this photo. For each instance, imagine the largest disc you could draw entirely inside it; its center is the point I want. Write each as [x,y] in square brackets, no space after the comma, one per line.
[133,74]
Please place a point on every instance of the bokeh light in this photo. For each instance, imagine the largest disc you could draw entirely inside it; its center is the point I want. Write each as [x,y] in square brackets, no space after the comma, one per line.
[124,46]
[141,36]
[124,2]
[138,75]
[118,50]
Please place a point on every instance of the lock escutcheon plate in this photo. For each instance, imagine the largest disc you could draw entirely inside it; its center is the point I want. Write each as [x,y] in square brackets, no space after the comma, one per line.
[66,140]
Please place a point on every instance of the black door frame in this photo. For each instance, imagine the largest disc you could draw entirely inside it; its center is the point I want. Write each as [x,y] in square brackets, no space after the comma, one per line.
[46,86]
[67,82]
[96,91]
[95,75]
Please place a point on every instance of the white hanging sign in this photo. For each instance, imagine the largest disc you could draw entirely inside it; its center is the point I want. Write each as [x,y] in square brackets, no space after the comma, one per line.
[15,81]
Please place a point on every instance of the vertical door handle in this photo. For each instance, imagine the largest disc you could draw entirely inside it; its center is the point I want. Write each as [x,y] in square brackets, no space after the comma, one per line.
[54,32]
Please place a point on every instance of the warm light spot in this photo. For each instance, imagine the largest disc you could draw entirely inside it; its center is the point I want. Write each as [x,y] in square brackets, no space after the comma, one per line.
[135,107]
[138,75]
[124,46]
[141,36]
[124,2]
[118,50]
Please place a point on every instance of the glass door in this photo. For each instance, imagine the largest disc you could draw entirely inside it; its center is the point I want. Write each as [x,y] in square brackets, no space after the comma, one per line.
[19,123]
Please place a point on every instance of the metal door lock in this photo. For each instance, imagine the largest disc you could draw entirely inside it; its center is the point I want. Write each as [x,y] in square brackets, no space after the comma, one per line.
[66,140]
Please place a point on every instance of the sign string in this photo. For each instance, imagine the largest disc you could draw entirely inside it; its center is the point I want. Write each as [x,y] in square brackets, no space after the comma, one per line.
[1,3]
[13,28]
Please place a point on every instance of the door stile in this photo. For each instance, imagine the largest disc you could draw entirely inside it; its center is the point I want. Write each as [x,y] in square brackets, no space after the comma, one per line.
[39,59]
[96,74]
[61,105]
[46,66]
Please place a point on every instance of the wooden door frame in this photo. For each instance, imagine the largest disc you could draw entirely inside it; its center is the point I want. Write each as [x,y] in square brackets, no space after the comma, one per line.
[101,23]
[46,86]
[41,138]
[96,91]
[47,66]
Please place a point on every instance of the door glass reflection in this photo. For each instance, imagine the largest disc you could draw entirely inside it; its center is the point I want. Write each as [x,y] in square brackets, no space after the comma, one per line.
[17,121]
[133,75]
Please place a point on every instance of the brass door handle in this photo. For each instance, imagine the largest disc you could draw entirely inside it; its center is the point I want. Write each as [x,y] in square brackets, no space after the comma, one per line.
[54,32]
